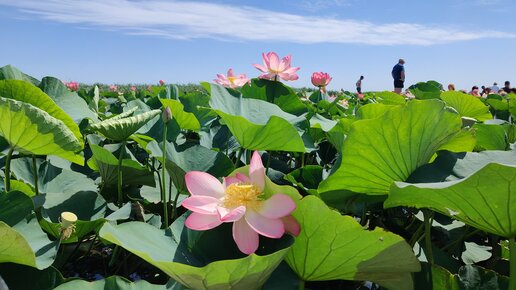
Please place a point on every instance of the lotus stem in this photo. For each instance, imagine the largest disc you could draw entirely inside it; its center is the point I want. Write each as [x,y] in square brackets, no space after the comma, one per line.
[163,176]
[268,163]
[174,206]
[8,170]
[301,284]
[119,183]
[428,215]
[35,173]
[512,259]
[240,152]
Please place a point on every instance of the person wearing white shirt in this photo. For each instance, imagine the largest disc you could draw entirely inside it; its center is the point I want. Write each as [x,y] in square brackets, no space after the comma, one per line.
[495,88]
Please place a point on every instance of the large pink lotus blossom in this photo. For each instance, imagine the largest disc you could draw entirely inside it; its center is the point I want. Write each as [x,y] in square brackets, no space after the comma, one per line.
[231,80]
[239,200]
[321,80]
[113,88]
[274,69]
[73,86]
[161,82]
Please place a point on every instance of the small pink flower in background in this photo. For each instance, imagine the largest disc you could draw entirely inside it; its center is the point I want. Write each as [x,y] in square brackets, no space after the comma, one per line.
[133,88]
[73,86]
[321,80]
[113,88]
[332,98]
[343,103]
[161,82]
[274,69]
[239,200]
[231,80]
[360,96]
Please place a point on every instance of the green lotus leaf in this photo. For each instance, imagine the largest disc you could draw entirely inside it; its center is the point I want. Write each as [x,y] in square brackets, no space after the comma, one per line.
[189,157]
[389,148]
[75,106]
[374,110]
[31,130]
[491,137]
[122,129]
[485,200]
[133,173]
[257,124]
[467,105]
[331,246]
[9,72]
[125,114]
[27,93]
[276,93]
[194,259]
[17,277]
[21,239]
[426,90]
[390,98]
[318,121]
[112,283]
[185,120]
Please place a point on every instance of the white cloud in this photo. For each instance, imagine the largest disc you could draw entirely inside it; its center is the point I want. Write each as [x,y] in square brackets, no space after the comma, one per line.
[191,20]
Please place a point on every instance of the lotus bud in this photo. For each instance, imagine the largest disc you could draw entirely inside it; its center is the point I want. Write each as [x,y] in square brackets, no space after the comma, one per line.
[67,220]
[161,82]
[166,116]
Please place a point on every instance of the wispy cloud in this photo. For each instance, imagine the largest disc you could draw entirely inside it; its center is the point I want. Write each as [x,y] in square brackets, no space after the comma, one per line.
[316,5]
[192,20]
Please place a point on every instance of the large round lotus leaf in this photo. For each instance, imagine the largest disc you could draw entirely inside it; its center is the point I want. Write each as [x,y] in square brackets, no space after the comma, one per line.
[21,239]
[9,72]
[121,129]
[467,105]
[390,98]
[373,110]
[485,200]
[426,90]
[185,120]
[75,106]
[31,130]
[331,247]
[274,92]
[257,124]
[389,148]
[27,93]
[199,260]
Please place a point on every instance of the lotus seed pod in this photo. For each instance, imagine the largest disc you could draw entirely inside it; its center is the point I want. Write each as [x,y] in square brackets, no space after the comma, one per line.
[167,115]
[67,220]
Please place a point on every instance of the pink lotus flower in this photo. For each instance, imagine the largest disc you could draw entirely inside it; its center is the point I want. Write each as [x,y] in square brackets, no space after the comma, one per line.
[231,81]
[113,88]
[73,86]
[161,82]
[321,80]
[360,96]
[133,88]
[274,68]
[239,200]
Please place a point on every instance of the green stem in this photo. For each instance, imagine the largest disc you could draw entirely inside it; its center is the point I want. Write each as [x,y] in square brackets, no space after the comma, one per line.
[268,163]
[512,259]
[8,170]
[35,173]
[119,183]
[240,152]
[163,185]
[174,206]
[301,285]
[416,234]
[428,215]
[302,159]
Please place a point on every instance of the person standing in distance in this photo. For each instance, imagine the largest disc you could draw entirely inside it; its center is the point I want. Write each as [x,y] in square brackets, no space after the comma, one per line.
[359,84]
[398,74]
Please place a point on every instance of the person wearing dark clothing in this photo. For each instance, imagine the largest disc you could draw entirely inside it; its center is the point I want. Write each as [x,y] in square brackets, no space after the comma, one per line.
[359,84]
[398,74]
[507,87]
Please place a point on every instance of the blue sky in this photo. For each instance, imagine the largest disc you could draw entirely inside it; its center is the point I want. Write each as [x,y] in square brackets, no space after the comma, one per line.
[466,42]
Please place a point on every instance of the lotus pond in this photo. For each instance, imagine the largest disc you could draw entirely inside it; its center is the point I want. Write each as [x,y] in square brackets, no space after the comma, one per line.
[254,187]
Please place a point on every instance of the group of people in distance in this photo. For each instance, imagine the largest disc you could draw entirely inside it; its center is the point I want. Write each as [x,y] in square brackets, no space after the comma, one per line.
[398,75]
[486,91]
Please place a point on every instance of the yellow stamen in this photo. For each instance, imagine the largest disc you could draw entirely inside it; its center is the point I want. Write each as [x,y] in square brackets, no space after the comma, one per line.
[232,79]
[246,194]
